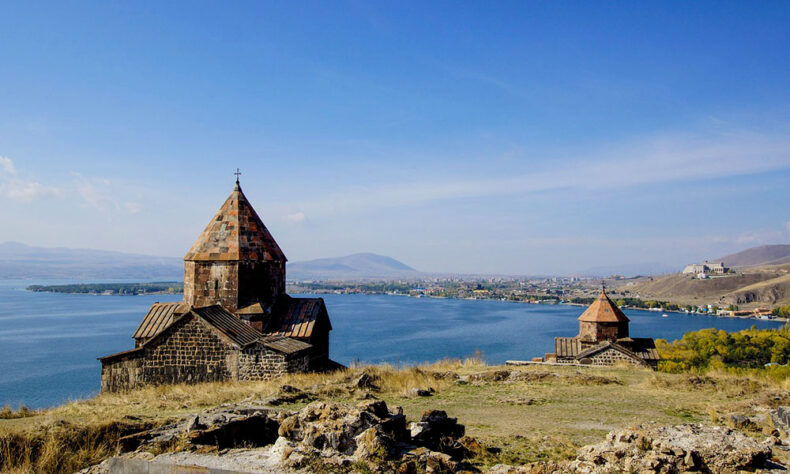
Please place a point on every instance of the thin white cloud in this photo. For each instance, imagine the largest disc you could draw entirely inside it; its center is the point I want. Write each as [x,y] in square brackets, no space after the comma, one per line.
[133,207]
[657,160]
[8,165]
[103,195]
[13,187]
[765,236]
[295,218]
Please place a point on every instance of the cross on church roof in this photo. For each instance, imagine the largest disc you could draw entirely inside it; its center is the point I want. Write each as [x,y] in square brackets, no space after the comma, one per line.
[237,173]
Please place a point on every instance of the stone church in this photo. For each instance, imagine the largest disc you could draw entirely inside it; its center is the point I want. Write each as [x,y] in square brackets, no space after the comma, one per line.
[236,321]
[603,339]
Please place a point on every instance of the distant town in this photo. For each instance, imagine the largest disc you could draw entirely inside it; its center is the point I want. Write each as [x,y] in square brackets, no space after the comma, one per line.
[544,290]
[554,290]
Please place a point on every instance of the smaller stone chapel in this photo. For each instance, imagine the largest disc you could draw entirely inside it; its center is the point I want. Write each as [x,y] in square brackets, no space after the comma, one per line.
[236,321]
[603,339]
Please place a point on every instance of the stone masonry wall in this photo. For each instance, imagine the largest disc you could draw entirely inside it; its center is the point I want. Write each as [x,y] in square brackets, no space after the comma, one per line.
[233,285]
[192,353]
[261,363]
[208,283]
[122,374]
[261,282]
[189,353]
[598,332]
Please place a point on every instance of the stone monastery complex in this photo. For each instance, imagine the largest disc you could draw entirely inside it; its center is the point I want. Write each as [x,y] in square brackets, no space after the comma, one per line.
[236,321]
[603,339]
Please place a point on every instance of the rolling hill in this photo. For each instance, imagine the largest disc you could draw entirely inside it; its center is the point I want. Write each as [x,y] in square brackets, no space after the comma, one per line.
[762,278]
[749,287]
[23,261]
[356,266]
[20,261]
[763,255]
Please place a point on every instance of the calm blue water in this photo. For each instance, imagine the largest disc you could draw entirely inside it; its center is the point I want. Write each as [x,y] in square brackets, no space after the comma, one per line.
[49,342]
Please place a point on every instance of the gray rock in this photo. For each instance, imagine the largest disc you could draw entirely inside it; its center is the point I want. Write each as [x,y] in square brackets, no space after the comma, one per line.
[421,392]
[678,448]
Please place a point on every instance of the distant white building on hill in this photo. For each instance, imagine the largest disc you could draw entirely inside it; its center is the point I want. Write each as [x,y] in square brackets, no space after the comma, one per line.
[706,268]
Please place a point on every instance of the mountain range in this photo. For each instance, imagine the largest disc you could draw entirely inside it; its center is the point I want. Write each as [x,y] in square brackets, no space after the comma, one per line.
[762,255]
[20,261]
[24,261]
[356,266]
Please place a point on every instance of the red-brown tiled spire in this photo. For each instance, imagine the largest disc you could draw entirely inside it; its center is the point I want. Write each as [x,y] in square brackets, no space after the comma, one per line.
[236,233]
[603,310]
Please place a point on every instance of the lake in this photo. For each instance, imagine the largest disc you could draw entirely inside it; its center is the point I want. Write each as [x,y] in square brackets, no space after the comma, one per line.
[49,342]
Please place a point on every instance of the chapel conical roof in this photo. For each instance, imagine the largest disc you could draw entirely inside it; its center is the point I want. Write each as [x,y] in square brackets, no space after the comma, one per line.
[603,310]
[235,233]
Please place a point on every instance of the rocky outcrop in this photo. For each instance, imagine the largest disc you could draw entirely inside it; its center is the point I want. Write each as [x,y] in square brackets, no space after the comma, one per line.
[329,436]
[367,430]
[341,435]
[333,435]
[225,426]
[678,448]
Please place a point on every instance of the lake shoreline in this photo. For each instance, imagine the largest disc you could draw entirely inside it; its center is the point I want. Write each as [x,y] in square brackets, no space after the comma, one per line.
[54,289]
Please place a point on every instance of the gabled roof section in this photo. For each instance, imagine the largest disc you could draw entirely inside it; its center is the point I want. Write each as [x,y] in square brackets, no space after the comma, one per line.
[297,317]
[606,346]
[286,345]
[235,233]
[255,308]
[130,354]
[603,310]
[227,323]
[645,348]
[159,316]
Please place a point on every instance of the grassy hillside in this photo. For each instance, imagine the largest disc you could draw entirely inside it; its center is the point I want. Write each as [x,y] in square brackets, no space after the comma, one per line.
[528,413]
[758,286]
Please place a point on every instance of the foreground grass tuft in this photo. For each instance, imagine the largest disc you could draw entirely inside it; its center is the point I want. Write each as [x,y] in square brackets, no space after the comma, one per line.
[6,413]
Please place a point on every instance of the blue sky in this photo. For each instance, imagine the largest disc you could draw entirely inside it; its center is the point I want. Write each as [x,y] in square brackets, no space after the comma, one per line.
[498,137]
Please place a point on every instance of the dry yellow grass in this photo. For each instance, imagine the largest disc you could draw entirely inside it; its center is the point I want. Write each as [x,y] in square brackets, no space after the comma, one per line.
[546,414]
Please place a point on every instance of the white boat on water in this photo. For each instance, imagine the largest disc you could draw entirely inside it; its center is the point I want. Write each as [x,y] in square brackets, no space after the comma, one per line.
[664,315]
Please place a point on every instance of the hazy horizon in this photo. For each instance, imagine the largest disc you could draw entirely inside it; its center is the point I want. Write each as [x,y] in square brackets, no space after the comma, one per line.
[511,138]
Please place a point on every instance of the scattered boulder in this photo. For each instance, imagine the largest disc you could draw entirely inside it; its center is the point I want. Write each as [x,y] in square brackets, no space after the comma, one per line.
[489,376]
[511,376]
[290,394]
[436,431]
[254,430]
[762,423]
[678,448]
[524,401]
[447,375]
[366,381]
[421,392]
[783,415]
[740,422]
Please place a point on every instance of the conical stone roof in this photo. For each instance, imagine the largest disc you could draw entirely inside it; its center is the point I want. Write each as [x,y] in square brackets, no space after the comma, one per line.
[235,233]
[603,310]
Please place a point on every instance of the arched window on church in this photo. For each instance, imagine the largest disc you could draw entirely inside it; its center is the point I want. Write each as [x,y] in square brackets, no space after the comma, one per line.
[216,286]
